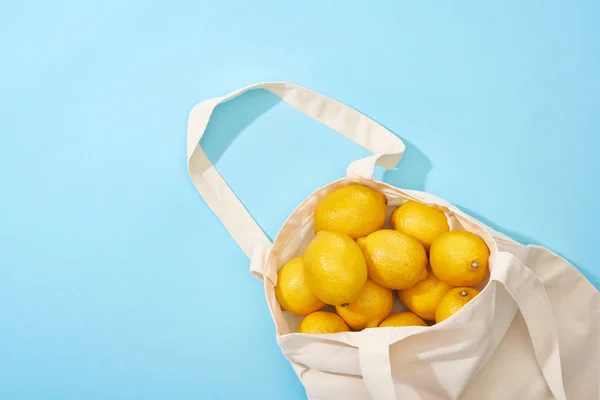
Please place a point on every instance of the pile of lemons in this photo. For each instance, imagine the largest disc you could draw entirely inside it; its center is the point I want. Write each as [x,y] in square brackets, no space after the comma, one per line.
[355,265]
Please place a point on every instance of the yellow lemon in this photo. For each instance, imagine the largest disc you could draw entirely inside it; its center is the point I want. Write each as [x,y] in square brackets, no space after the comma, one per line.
[423,298]
[373,304]
[454,300]
[459,258]
[335,269]
[291,291]
[403,319]
[355,210]
[420,221]
[322,322]
[394,259]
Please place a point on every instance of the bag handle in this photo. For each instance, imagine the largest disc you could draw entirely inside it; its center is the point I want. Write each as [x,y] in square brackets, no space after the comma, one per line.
[529,294]
[387,147]
[374,360]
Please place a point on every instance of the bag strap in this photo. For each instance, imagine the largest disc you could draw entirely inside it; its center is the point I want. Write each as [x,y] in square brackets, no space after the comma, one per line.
[387,147]
[530,295]
[374,360]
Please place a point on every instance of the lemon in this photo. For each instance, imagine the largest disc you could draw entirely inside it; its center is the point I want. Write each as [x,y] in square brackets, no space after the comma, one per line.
[423,298]
[394,259]
[454,300]
[322,322]
[373,304]
[420,221]
[355,210]
[403,319]
[335,269]
[291,291]
[459,258]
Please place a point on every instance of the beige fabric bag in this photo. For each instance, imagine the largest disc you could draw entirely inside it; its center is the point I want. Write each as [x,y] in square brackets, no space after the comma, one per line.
[532,333]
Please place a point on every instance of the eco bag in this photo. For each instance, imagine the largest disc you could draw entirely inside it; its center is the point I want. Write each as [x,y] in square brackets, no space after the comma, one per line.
[533,332]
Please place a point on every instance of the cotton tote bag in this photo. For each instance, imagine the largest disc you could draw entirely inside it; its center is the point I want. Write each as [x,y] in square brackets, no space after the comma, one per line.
[532,333]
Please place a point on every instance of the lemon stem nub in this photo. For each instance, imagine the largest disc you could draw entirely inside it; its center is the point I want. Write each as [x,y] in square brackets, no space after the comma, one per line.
[474,265]
[463,293]
[345,305]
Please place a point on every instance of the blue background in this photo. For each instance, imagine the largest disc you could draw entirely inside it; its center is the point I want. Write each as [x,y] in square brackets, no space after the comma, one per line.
[117,281]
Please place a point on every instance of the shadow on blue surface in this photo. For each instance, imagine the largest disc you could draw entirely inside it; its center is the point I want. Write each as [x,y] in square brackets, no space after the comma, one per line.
[519,237]
[412,171]
[232,118]
[525,240]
